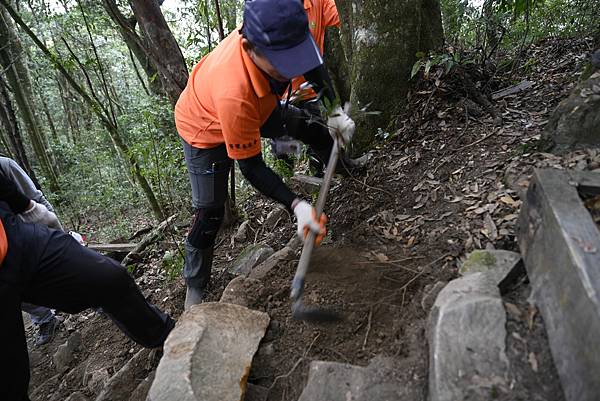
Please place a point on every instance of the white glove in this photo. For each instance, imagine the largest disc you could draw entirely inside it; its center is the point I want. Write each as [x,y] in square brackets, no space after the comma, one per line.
[306,216]
[341,125]
[39,214]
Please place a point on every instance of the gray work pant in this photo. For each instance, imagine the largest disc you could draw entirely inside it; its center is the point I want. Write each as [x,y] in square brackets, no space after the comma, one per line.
[38,314]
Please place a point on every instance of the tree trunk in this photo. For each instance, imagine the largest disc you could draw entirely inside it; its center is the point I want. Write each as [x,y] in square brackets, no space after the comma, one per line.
[381,39]
[136,44]
[162,47]
[11,128]
[219,20]
[67,100]
[337,64]
[229,12]
[18,78]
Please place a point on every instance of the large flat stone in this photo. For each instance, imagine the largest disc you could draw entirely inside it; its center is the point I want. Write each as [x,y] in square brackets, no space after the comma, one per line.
[333,381]
[561,249]
[467,358]
[207,356]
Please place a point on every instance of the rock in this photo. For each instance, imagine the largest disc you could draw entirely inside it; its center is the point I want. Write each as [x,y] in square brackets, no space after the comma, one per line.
[334,381]
[64,354]
[274,331]
[308,183]
[576,121]
[430,294]
[250,257]
[96,380]
[256,393]
[27,321]
[274,216]
[286,253]
[208,354]
[122,383]
[49,386]
[74,341]
[141,391]
[242,232]
[266,349]
[467,338]
[237,291]
[560,244]
[484,260]
[62,358]
[76,396]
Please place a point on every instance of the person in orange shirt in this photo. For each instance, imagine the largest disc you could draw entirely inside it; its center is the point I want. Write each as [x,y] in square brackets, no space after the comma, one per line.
[322,14]
[230,102]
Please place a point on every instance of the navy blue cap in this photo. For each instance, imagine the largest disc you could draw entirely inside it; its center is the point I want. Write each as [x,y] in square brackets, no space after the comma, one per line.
[279,30]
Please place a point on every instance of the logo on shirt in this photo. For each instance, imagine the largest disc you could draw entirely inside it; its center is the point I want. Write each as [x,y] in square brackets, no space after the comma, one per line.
[313,25]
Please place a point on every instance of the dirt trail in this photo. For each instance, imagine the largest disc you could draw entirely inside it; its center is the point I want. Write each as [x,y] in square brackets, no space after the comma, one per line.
[380,318]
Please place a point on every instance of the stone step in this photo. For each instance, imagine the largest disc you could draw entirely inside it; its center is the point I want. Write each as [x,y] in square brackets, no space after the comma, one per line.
[467,334]
[560,244]
[334,381]
[208,354]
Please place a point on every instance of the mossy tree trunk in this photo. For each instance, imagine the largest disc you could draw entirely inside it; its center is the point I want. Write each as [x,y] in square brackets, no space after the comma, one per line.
[17,76]
[381,39]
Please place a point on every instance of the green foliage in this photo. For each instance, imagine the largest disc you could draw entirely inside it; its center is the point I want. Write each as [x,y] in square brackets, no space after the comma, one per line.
[447,61]
[172,264]
[509,24]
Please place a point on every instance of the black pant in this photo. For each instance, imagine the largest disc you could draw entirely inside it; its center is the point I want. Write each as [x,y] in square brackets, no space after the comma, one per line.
[49,268]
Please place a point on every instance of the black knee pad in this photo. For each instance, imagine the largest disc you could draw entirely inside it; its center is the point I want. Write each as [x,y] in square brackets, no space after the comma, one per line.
[205,226]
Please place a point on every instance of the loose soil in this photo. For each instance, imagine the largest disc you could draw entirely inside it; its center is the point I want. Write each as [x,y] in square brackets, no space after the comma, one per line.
[446,181]
[380,317]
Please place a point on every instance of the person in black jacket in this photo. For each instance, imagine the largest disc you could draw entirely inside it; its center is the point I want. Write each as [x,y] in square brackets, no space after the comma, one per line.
[47,267]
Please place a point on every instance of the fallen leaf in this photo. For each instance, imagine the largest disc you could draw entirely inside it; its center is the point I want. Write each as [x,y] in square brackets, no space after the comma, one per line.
[490,227]
[382,257]
[531,312]
[513,310]
[533,362]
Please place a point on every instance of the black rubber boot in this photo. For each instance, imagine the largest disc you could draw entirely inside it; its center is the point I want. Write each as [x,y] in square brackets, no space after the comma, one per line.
[196,271]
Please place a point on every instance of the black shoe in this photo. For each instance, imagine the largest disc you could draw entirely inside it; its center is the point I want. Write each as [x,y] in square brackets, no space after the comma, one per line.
[46,332]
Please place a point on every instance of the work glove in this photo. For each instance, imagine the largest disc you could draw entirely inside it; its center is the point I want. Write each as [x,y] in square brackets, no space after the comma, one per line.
[39,214]
[307,220]
[341,125]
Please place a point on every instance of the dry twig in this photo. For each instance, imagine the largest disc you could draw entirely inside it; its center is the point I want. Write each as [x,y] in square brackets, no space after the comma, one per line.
[368,328]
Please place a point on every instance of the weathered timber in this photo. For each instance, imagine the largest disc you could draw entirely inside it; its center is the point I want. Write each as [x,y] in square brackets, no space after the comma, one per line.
[560,245]
[150,238]
[512,90]
[112,247]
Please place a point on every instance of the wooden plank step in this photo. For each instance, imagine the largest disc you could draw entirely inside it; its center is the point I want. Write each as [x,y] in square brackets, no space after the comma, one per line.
[113,247]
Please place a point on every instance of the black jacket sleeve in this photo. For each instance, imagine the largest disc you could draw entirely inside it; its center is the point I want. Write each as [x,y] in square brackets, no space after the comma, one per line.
[321,82]
[10,194]
[266,181]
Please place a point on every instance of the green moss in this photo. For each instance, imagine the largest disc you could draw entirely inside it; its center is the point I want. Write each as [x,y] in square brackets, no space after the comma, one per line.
[478,261]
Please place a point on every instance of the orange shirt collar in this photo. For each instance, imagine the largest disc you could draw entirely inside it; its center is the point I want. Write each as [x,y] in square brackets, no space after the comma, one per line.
[307,4]
[259,81]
